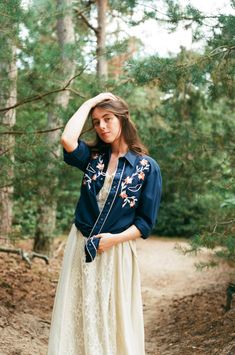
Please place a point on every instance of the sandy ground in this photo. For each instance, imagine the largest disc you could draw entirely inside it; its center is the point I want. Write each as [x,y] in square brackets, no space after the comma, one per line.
[183,308]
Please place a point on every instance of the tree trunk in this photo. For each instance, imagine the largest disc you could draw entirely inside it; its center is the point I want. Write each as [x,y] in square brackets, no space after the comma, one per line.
[46,219]
[102,66]
[7,149]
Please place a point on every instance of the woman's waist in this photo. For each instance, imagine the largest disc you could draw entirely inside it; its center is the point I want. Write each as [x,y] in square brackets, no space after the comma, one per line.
[88,231]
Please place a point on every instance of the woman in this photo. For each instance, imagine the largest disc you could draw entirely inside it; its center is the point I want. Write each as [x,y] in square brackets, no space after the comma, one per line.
[98,306]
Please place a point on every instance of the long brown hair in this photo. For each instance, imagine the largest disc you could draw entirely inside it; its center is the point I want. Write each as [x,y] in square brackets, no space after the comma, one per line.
[129,132]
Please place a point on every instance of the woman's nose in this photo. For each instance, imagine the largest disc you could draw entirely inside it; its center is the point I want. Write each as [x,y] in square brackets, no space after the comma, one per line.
[102,124]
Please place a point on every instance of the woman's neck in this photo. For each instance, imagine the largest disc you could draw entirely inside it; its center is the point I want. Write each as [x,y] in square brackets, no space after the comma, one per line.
[119,148]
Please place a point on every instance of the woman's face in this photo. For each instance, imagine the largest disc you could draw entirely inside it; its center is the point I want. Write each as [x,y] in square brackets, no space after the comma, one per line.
[106,125]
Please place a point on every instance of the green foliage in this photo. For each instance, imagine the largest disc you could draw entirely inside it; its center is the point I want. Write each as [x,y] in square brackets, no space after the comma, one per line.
[195,145]
[123,7]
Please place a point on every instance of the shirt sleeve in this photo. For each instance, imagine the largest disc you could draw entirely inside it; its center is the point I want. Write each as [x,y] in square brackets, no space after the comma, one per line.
[146,212]
[79,157]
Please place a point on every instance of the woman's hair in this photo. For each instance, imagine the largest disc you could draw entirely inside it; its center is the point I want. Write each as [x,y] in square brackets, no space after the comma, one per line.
[129,132]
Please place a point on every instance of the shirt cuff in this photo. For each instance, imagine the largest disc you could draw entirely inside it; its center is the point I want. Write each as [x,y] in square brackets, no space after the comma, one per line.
[143,228]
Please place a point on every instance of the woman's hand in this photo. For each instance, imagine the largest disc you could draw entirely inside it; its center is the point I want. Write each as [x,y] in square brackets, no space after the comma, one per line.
[107,241]
[101,97]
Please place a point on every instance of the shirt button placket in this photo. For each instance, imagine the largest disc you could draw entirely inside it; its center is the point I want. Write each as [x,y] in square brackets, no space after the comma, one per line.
[106,208]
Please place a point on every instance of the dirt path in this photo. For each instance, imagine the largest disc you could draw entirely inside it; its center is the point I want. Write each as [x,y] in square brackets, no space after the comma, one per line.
[181,303]
[182,307]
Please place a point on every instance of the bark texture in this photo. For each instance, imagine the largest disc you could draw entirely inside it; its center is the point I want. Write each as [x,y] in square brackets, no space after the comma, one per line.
[46,220]
[7,143]
[102,66]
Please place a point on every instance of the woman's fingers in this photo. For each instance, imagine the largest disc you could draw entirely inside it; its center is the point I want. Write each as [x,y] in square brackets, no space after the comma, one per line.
[103,96]
[107,94]
[105,243]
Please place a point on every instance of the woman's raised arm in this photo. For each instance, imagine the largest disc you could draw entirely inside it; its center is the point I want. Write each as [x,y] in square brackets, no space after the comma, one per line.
[74,126]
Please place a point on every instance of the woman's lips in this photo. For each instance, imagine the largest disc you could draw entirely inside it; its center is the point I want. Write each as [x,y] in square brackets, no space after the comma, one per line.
[105,134]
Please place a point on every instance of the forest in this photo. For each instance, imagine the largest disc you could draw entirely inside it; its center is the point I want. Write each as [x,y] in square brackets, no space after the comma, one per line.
[57,54]
[53,58]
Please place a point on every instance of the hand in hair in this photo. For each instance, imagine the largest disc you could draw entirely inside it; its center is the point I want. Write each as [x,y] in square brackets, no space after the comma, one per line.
[101,97]
[74,126]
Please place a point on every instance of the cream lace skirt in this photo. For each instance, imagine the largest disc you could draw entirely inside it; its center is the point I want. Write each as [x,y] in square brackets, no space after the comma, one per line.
[98,305]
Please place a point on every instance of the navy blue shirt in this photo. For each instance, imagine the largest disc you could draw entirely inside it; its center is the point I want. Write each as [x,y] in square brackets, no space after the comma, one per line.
[134,196]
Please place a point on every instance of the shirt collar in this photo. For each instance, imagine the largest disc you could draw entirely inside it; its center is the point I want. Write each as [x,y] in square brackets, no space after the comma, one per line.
[130,156]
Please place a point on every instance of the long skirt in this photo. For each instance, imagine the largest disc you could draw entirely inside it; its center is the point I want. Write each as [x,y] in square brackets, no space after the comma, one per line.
[98,306]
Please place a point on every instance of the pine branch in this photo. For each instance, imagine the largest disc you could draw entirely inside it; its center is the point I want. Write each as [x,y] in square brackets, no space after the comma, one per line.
[86,21]
[232,221]
[2,152]
[41,96]
[34,132]
[168,19]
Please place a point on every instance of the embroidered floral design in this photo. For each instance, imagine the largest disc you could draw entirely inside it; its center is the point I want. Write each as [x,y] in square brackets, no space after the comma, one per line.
[139,172]
[144,162]
[128,180]
[100,166]
[95,155]
[132,203]
[95,172]
[123,194]
[141,175]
